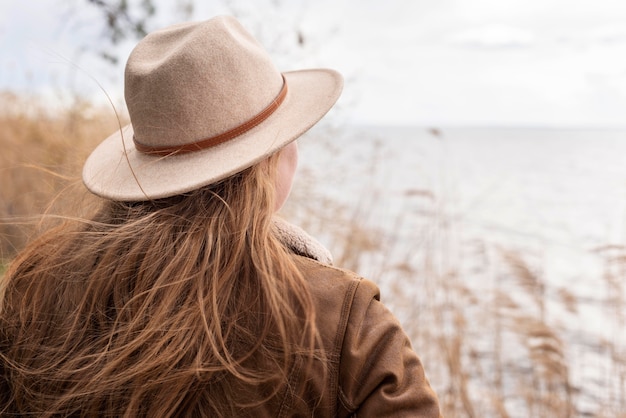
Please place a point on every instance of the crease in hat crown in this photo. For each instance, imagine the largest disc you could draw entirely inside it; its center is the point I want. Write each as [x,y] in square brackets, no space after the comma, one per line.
[193,81]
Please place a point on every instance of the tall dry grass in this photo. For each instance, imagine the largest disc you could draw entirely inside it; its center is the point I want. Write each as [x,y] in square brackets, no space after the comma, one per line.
[480,316]
[40,163]
[486,320]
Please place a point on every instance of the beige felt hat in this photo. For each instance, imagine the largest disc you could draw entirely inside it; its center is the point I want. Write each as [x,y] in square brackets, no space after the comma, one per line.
[205,102]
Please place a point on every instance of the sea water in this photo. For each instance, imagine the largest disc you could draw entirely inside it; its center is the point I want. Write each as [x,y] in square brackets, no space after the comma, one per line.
[557,197]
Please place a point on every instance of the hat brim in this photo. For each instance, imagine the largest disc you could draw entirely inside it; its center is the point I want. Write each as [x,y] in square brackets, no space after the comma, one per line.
[117,171]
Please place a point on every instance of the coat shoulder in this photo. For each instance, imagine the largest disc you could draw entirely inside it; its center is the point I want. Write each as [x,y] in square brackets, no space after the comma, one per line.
[373,370]
[331,282]
[336,293]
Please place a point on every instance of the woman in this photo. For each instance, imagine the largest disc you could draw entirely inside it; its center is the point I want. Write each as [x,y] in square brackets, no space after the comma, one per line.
[184,295]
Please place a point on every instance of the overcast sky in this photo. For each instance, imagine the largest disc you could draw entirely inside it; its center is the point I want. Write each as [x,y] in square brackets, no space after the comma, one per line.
[445,62]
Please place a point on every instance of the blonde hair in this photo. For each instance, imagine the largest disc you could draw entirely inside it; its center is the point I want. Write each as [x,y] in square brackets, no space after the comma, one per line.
[185,306]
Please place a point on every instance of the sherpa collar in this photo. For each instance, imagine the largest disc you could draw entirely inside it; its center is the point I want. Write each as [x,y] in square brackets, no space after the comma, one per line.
[300,242]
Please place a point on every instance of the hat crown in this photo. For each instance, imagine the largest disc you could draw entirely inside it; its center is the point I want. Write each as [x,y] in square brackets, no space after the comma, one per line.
[197,80]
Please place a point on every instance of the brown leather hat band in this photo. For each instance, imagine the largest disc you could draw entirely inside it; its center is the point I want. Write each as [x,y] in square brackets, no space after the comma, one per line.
[218,139]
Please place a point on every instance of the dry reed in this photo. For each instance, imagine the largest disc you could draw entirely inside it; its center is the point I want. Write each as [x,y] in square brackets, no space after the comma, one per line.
[40,163]
[479,315]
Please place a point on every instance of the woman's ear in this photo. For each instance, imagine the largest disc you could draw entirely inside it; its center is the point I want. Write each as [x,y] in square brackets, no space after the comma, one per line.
[285,172]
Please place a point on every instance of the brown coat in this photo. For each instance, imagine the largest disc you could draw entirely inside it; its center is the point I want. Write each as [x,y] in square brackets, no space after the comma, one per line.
[373,371]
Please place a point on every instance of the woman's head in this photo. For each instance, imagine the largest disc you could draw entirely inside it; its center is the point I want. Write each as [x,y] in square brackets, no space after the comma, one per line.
[205,102]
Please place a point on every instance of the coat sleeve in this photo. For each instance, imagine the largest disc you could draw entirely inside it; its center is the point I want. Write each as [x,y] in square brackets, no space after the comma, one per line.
[380,375]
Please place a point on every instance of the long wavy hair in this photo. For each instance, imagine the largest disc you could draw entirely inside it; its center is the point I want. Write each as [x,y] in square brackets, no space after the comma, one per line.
[184,306]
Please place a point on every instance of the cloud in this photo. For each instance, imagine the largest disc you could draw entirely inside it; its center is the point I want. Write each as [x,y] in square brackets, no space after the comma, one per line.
[608,34]
[493,35]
